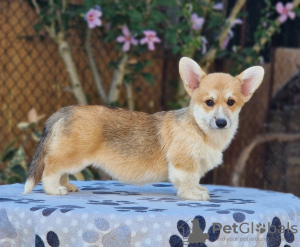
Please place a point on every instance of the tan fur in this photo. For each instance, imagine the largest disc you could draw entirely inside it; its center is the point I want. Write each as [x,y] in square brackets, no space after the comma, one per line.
[139,148]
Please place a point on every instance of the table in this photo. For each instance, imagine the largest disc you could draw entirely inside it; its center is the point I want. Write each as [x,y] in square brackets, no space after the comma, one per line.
[112,214]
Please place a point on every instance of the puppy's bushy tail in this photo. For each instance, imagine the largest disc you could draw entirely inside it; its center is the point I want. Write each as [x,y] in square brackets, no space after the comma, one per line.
[37,165]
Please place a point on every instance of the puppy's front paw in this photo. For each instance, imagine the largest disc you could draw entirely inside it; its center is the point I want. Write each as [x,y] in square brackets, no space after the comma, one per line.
[194,194]
[202,188]
[71,187]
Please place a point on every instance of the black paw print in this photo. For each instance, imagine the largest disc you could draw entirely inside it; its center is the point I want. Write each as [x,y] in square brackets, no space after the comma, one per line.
[261,228]
[51,237]
[162,185]
[21,200]
[109,202]
[274,234]
[139,209]
[122,193]
[199,225]
[47,210]
[239,215]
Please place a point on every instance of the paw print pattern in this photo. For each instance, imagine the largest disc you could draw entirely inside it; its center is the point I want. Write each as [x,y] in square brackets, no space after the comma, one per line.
[121,236]
[232,201]
[163,199]
[162,185]
[122,193]
[139,209]
[274,236]
[47,210]
[185,231]
[116,184]
[52,240]
[7,229]
[261,228]
[93,188]
[224,191]
[198,205]
[123,206]
[238,215]
[21,200]
[109,202]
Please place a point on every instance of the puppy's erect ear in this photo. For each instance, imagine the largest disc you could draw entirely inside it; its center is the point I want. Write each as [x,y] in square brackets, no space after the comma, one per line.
[251,79]
[190,73]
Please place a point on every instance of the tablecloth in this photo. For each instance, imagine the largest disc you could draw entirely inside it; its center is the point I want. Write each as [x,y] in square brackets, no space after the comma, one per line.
[112,214]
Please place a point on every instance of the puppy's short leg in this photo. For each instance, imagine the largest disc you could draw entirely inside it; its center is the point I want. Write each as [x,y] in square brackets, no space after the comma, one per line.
[64,181]
[51,185]
[51,180]
[187,183]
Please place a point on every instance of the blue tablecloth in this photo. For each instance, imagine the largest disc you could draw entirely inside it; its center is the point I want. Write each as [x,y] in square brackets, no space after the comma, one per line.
[112,214]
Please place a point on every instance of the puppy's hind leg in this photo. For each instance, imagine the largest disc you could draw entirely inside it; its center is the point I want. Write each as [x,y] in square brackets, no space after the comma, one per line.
[52,186]
[64,181]
[51,180]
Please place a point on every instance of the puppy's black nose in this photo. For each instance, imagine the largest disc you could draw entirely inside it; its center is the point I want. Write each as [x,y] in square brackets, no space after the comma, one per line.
[221,123]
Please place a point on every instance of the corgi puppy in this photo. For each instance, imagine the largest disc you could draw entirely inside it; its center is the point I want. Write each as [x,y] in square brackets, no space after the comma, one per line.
[138,148]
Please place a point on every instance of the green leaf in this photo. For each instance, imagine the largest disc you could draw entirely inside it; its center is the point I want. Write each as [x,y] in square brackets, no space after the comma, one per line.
[8,149]
[113,64]
[3,176]
[87,174]
[138,66]
[20,171]
[9,155]
[72,177]
[129,79]
[148,63]
[14,179]
[38,27]
[222,54]
[149,78]
[36,135]
[23,125]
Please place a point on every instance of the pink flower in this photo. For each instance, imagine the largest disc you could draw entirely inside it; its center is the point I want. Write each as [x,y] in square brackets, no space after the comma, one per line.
[218,6]
[127,39]
[93,18]
[150,38]
[33,116]
[236,21]
[230,33]
[285,11]
[197,22]
[225,43]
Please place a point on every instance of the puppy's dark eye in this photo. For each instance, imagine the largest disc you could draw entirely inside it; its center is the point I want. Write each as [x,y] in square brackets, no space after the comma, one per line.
[230,102]
[209,103]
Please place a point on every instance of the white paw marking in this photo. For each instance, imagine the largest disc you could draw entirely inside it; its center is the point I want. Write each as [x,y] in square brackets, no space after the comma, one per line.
[194,195]
[62,191]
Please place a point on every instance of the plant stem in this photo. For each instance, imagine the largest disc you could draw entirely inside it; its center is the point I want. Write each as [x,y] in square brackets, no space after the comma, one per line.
[93,66]
[115,86]
[210,56]
[130,98]
[65,53]
[243,157]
